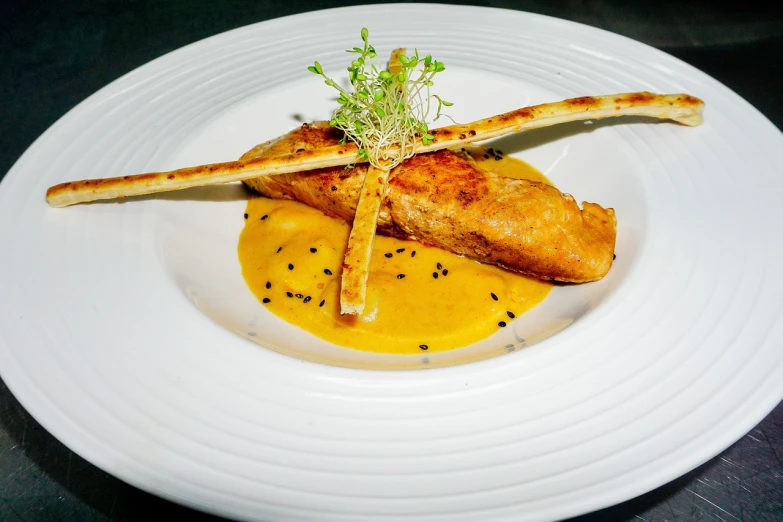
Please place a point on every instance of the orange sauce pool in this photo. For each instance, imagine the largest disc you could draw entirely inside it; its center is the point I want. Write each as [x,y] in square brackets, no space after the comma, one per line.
[418,297]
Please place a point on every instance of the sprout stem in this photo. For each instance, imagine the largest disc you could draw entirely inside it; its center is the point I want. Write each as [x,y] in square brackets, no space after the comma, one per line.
[386,114]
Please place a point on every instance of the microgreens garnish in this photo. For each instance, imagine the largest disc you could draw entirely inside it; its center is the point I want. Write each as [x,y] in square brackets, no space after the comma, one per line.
[386,114]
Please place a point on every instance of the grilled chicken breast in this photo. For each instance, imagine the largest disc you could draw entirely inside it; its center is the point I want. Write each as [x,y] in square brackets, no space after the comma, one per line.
[443,199]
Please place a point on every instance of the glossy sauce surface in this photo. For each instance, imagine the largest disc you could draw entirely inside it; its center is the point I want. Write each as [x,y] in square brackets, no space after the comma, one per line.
[419,298]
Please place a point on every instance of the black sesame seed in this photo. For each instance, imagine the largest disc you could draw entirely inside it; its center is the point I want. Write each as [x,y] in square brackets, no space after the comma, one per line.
[307,299]
[486,156]
[511,314]
[435,275]
[290,266]
[499,152]
[289,294]
[439,266]
[268,285]
[493,296]
[502,324]
[491,151]
[246,216]
[400,276]
[299,296]
[279,249]
[334,188]
[323,301]
[264,217]
[400,250]
[445,271]
[313,250]
[265,300]
[327,271]
[388,254]
[498,158]
[423,346]
[614,256]
[413,254]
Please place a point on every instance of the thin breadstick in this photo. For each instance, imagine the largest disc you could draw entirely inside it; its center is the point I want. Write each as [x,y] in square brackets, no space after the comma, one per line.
[358,253]
[85,191]
[356,264]
[395,65]
[681,108]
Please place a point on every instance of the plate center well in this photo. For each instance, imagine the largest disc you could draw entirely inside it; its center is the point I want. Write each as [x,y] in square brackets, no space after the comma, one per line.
[199,248]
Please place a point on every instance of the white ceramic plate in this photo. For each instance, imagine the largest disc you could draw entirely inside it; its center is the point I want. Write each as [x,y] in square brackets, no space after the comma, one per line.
[126,330]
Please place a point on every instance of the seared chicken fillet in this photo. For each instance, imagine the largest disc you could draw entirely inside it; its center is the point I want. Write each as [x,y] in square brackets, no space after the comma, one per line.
[443,199]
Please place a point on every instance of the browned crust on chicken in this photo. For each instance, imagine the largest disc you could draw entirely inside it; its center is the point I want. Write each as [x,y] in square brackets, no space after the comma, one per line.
[443,199]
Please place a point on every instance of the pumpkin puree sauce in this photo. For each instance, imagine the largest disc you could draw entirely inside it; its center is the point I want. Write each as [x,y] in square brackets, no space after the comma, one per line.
[418,297]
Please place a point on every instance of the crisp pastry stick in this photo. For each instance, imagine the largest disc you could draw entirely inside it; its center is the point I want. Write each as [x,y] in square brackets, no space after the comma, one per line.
[84,191]
[358,253]
[395,65]
[356,264]
[682,108]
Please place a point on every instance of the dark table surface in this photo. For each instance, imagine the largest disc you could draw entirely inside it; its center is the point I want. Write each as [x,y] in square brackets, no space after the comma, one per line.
[55,54]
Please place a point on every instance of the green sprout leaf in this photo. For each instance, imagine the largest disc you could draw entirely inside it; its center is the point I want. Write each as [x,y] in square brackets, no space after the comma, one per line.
[385,114]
